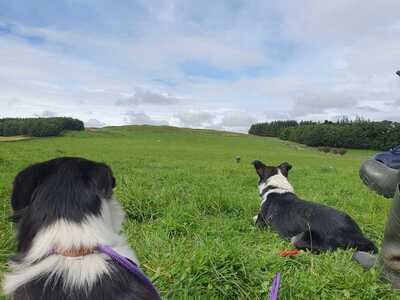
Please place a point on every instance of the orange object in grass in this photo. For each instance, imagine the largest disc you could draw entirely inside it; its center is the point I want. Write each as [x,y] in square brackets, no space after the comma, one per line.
[294,252]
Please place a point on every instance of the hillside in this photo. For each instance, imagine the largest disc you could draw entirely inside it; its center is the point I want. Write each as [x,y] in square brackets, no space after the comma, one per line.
[190,205]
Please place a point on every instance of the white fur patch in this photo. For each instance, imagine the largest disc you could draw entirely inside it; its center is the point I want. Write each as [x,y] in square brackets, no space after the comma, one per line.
[255,219]
[63,235]
[296,238]
[280,182]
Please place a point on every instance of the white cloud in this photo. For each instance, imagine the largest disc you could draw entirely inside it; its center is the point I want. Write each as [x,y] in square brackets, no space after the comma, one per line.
[179,49]
[367,108]
[142,96]
[94,123]
[320,102]
[195,119]
[340,21]
[47,114]
[237,119]
[197,63]
[141,118]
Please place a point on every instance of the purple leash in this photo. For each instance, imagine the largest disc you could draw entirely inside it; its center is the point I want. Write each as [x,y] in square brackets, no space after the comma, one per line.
[273,294]
[127,264]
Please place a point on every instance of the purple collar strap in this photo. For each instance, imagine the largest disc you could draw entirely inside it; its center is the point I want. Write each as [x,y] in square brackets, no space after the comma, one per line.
[273,294]
[134,269]
[129,265]
[126,263]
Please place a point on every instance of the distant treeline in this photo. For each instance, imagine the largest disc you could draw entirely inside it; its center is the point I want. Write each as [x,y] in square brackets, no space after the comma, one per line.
[360,134]
[272,129]
[38,126]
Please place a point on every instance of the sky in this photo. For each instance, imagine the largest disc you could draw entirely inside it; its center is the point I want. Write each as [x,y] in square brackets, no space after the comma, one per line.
[201,64]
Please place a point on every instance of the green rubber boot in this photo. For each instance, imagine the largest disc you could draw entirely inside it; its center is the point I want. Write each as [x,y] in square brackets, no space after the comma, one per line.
[379,177]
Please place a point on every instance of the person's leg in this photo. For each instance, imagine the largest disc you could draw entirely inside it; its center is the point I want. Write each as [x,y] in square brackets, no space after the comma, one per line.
[385,181]
[389,259]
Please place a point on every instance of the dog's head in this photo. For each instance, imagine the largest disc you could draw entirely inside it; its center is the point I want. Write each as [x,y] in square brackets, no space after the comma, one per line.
[265,172]
[69,189]
[271,175]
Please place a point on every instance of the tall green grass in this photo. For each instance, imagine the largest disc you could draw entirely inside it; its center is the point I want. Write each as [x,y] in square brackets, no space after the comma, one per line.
[190,206]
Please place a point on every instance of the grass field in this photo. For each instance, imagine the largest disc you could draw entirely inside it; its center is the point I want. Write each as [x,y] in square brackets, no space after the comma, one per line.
[190,207]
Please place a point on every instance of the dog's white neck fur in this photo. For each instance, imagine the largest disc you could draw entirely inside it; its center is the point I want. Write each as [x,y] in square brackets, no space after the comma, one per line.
[279,181]
[63,235]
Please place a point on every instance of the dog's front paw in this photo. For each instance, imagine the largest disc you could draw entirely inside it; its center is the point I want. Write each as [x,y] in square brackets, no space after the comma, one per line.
[255,219]
[296,238]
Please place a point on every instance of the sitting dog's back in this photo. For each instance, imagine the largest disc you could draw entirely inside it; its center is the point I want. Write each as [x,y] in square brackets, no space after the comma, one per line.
[65,214]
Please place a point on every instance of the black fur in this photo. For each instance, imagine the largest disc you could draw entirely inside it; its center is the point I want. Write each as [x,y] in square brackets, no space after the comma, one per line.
[121,285]
[71,189]
[68,188]
[315,226]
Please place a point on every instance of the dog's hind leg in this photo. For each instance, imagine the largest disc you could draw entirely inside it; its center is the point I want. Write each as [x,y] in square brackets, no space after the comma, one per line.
[366,245]
[308,240]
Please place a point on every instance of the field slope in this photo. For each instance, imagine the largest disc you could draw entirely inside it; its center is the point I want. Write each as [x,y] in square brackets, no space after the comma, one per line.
[189,209]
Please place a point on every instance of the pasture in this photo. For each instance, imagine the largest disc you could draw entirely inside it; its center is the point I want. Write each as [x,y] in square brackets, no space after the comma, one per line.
[189,210]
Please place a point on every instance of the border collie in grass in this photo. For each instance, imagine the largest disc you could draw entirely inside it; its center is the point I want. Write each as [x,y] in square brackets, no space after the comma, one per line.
[65,212]
[309,225]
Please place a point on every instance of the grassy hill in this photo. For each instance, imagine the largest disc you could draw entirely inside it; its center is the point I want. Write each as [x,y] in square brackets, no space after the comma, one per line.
[190,206]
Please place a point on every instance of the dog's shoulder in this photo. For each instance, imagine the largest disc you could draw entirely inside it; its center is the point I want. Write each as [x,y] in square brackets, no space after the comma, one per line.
[287,202]
[281,199]
[278,201]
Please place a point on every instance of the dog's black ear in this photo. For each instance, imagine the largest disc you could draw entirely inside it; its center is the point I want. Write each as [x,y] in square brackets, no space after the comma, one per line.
[285,167]
[259,166]
[103,179]
[24,186]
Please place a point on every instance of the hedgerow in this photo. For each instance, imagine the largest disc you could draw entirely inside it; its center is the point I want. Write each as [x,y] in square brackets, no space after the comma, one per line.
[359,134]
[38,127]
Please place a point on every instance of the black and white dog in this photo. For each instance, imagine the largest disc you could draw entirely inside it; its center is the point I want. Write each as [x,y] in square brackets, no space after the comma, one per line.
[64,209]
[309,225]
